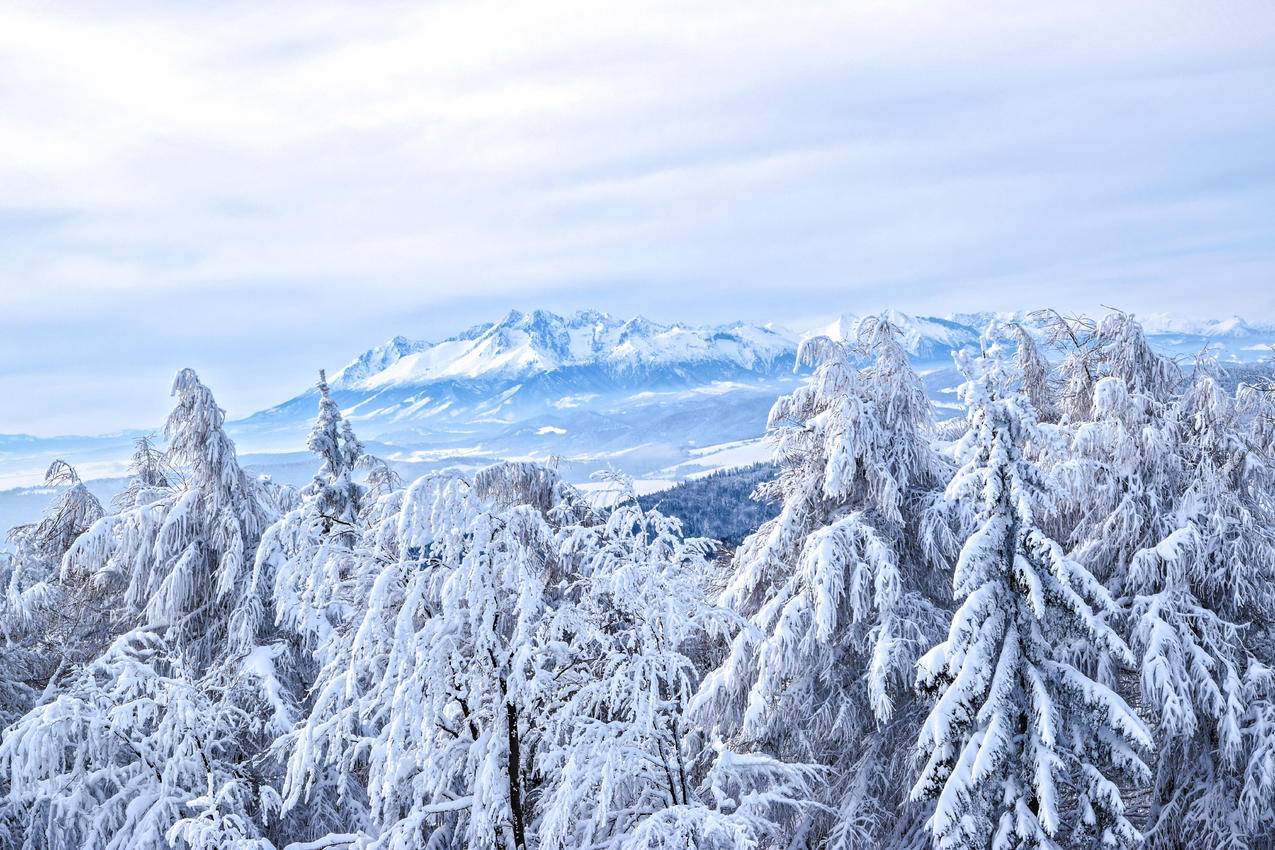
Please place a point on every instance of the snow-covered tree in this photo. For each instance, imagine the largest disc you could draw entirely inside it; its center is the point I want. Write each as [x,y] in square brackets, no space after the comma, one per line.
[1118,467]
[618,757]
[132,754]
[308,568]
[180,556]
[1166,498]
[43,623]
[496,661]
[149,745]
[332,439]
[435,692]
[1119,475]
[149,472]
[306,557]
[1036,374]
[1123,352]
[1076,338]
[1202,592]
[839,589]
[1020,745]
[70,515]
[515,676]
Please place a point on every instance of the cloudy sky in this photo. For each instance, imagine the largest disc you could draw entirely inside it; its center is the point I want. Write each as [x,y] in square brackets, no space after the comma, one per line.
[260,189]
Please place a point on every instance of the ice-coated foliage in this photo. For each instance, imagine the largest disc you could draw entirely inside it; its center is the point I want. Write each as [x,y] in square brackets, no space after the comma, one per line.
[1035,374]
[455,589]
[306,573]
[305,559]
[1124,353]
[1168,497]
[838,589]
[42,621]
[514,674]
[335,495]
[1203,590]
[132,751]
[1020,745]
[149,472]
[164,715]
[617,759]
[1077,339]
[1048,624]
[69,516]
[178,555]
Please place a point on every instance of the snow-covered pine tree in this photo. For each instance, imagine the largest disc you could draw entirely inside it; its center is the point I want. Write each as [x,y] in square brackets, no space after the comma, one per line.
[307,564]
[618,757]
[44,624]
[146,746]
[1020,745]
[1036,375]
[434,693]
[332,439]
[306,557]
[1076,337]
[1202,591]
[838,589]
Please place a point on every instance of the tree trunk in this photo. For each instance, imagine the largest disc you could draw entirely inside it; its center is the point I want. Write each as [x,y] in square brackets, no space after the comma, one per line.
[515,783]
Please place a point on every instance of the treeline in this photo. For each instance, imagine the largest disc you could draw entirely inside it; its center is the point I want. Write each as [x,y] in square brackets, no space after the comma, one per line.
[1047,625]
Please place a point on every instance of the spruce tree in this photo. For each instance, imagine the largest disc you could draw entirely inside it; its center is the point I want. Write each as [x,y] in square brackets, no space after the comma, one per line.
[1021,747]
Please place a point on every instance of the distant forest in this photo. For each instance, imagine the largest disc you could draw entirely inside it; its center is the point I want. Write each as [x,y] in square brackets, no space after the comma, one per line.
[720,505]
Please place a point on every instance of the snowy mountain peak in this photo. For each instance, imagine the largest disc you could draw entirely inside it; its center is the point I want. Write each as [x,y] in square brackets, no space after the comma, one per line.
[542,364]
[640,326]
[378,359]
[1176,323]
[589,318]
[523,344]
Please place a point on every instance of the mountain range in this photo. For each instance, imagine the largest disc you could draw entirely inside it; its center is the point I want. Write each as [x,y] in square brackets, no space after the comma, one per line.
[588,391]
[596,391]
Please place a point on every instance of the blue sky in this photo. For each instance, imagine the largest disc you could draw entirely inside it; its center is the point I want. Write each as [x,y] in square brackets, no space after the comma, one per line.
[257,190]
